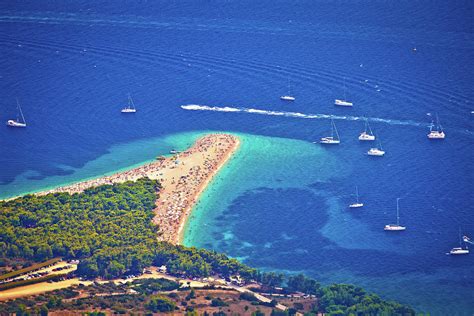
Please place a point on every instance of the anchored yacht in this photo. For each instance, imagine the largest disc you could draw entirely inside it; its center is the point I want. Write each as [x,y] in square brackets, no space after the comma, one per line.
[395,227]
[460,250]
[367,134]
[17,122]
[357,204]
[334,138]
[288,97]
[130,108]
[436,132]
[344,101]
[376,151]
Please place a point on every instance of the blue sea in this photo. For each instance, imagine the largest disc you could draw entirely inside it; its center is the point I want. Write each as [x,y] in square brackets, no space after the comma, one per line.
[281,203]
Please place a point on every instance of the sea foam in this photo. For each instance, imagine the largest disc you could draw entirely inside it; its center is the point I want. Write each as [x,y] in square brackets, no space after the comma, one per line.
[196,107]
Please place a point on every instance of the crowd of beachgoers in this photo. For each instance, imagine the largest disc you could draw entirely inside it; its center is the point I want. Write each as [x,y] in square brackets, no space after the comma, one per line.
[151,170]
[183,177]
[182,189]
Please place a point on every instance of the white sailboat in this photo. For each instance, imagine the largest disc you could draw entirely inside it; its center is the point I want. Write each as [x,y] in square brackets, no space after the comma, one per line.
[344,101]
[460,250]
[357,204]
[367,134]
[288,97]
[375,151]
[130,108]
[17,122]
[436,133]
[331,140]
[395,227]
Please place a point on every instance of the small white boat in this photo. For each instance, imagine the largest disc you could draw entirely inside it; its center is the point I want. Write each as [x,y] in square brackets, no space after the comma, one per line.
[357,204]
[460,250]
[288,97]
[331,140]
[436,133]
[13,123]
[376,152]
[130,108]
[17,122]
[367,134]
[344,101]
[395,227]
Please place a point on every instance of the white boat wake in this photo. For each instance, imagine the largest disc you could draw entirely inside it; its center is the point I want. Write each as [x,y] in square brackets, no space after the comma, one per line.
[196,107]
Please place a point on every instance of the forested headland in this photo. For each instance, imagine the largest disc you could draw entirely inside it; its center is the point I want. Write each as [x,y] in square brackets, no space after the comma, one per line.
[110,230]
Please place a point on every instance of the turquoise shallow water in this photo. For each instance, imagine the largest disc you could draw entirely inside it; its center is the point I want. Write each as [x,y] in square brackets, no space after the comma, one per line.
[280,204]
[260,163]
[284,202]
[119,157]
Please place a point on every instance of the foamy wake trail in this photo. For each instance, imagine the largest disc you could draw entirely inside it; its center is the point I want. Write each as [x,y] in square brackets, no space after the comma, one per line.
[195,107]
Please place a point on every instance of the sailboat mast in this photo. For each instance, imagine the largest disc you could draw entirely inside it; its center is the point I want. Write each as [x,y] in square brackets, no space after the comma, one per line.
[344,88]
[332,128]
[357,194]
[17,112]
[335,129]
[370,129]
[21,112]
[398,216]
[438,126]
[131,105]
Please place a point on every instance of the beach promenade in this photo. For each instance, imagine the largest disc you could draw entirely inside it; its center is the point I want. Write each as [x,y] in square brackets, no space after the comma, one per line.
[183,177]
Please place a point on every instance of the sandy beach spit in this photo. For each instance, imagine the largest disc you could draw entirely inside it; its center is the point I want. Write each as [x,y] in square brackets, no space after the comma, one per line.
[183,177]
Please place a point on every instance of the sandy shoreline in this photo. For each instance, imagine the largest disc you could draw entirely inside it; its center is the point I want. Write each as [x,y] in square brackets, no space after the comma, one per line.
[182,187]
[230,152]
[183,177]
